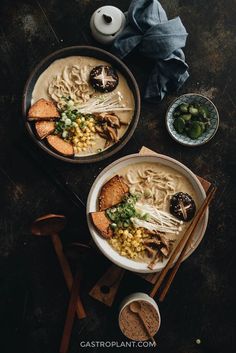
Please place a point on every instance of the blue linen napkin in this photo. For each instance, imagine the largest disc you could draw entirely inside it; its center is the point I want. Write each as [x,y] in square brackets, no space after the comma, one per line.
[154,36]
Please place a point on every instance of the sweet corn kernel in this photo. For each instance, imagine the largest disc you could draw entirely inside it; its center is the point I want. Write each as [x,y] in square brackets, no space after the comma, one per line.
[129,242]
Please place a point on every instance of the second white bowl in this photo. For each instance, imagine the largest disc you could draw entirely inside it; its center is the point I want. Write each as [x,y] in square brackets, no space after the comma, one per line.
[112,170]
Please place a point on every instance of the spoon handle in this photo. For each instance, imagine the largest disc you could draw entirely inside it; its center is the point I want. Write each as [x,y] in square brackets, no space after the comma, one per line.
[65,341]
[66,271]
[147,329]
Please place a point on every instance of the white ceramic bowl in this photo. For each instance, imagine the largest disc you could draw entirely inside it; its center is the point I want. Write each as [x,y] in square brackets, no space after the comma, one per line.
[112,170]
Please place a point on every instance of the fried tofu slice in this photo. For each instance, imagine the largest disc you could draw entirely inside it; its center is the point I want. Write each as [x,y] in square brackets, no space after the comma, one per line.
[60,146]
[112,192]
[43,110]
[44,128]
[102,223]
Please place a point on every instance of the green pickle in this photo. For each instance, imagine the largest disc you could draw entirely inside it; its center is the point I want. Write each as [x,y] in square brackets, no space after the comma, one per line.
[186,117]
[192,110]
[179,125]
[195,130]
[183,108]
[191,119]
[204,112]
[203,126]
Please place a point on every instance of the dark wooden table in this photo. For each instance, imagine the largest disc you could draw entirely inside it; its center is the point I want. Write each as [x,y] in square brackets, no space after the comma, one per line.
[33,297]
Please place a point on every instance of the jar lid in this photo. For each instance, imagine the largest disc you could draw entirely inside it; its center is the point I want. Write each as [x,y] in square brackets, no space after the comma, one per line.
[108,20]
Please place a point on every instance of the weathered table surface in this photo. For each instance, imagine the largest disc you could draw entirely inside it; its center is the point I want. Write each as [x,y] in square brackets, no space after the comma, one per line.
[33,297]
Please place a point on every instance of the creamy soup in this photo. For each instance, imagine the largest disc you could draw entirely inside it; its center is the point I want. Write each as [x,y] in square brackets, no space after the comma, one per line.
[70,76]
[155,184]
[145,227]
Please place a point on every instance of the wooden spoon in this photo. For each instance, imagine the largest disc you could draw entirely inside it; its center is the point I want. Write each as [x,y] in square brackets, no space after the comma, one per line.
[51,225]
[135,307]
[65,341]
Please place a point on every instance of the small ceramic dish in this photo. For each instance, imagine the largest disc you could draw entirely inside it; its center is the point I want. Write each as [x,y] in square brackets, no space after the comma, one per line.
[193,98]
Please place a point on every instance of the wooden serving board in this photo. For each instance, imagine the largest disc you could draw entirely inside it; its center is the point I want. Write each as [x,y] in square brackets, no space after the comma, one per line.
[107,286]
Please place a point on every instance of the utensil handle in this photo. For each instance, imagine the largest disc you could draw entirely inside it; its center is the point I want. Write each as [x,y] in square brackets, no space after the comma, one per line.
[182,243]
[170,279]
[147,329]
[70,315]
[177,264]
[66,271]
[180,258]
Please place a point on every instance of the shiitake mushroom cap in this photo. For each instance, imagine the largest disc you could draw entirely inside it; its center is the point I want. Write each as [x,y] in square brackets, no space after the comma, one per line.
[182,206]
[104,78]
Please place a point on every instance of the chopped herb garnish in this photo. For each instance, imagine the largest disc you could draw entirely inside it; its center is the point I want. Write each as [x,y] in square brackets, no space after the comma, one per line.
[122,213]
[69,116]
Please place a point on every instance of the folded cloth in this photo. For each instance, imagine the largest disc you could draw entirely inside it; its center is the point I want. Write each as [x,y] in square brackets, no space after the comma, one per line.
[154,36]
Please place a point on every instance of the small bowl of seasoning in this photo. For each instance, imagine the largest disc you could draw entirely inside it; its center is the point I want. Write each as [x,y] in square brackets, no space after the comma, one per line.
[139,317]
[192,119]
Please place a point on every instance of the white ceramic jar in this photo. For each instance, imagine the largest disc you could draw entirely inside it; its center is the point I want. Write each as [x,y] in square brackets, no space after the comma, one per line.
[106,23]
[139,296]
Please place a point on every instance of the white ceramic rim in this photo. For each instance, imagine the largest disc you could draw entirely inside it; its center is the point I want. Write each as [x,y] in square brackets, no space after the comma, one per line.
[95,235]
[191,144]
